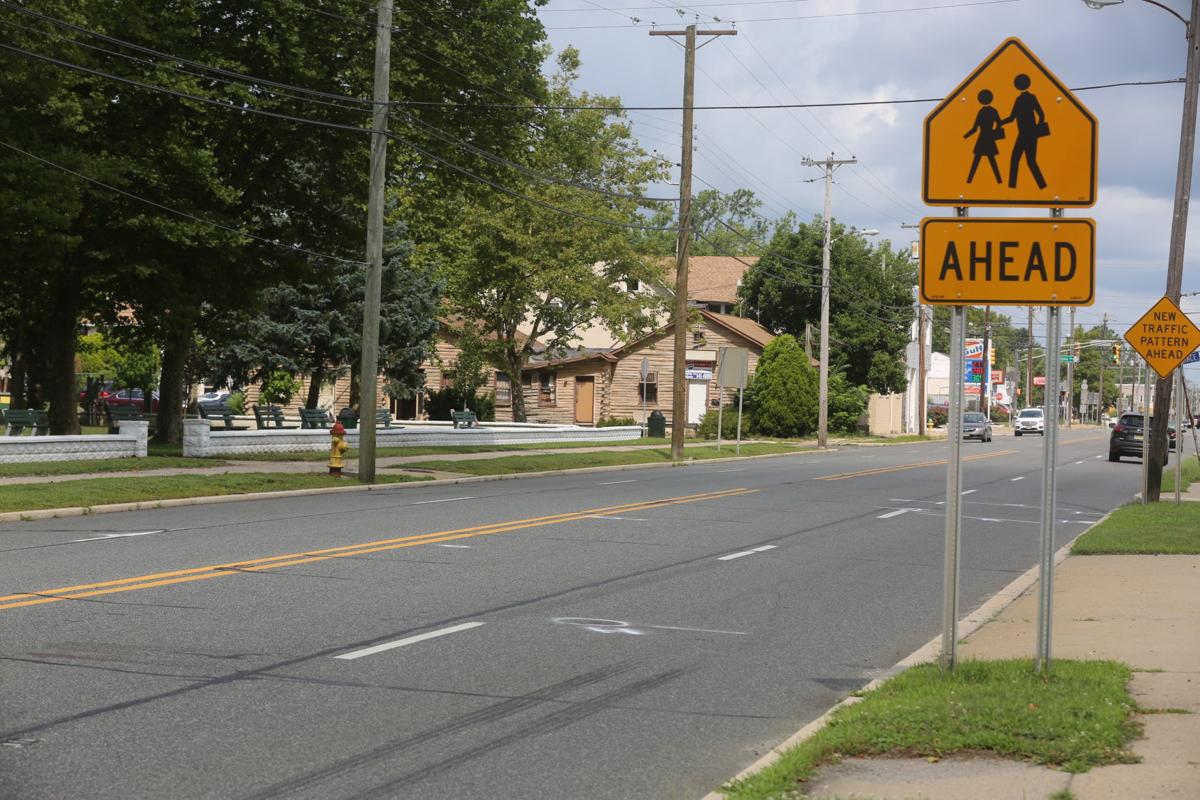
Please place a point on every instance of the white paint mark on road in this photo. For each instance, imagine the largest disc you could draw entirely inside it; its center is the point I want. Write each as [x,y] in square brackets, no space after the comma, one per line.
[899,500]
[970,491]
[420,637]
[444,500]
[1018,478]
[598,625]
[614,483]
[762,549]
[103,536]
[1078,462]
[697,630]
[743,469]
[1100,456]
[457,546]
[627,519]
[895,513]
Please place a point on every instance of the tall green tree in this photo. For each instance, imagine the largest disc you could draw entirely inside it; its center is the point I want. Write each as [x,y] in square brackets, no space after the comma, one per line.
[870,299]
[725,224]
[523,270]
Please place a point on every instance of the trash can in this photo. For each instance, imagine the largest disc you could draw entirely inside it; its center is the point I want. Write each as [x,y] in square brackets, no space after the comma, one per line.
[656,426]
[348,418]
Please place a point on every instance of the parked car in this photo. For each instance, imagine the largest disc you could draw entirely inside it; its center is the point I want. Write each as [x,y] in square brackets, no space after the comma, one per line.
[977,426]
[1127,435]
[134,397]
[1030,420]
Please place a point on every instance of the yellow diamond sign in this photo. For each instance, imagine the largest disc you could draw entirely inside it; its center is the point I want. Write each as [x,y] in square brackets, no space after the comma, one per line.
[1164,336]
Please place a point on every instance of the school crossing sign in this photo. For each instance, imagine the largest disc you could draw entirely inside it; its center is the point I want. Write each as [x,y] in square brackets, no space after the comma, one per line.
[1011,134]
[1164,336]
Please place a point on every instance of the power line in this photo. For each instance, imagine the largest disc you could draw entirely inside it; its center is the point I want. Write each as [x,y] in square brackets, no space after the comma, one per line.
[177,212]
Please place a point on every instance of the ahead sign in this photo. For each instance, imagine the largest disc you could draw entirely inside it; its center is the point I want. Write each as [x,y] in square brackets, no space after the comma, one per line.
[1034,262]
[1010,135]
[1164,336]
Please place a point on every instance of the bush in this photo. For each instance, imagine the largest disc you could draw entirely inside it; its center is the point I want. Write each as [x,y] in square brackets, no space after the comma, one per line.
[439,404]
[847,404]
[615,422]
[785,391]
[279,388]
[938,416]
[236,402]
[708,425]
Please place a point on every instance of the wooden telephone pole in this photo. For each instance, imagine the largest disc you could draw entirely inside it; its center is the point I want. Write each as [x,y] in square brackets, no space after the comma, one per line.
[679,366]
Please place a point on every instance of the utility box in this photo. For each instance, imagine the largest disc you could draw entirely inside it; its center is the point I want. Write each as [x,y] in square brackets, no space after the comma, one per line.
[656,425]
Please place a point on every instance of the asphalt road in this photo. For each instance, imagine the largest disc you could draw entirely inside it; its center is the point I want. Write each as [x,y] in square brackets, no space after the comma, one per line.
[634,634]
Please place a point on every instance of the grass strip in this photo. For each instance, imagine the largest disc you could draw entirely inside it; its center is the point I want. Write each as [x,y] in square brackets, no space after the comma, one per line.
[1190,471]
[102,491]
[1079,717]
[539,463]
[1161,528]
[104,465]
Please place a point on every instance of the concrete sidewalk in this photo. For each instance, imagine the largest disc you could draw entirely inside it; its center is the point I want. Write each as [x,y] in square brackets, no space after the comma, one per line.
[1141,610]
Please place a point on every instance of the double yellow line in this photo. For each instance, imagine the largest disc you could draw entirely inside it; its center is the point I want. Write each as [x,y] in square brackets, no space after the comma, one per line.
[841,476]
[156,579]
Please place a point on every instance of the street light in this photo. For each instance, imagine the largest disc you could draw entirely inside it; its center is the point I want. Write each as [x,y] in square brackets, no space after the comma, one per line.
[823,382]
[1183,187]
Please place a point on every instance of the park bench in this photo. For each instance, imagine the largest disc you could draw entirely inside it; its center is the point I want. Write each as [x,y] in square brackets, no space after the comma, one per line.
[464,419]
[383,419]
[313,418]
[266,417]
[118,414]
[17,419]
[219,410]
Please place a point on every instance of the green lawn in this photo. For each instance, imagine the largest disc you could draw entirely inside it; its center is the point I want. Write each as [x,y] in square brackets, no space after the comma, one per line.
[1157,528]
[1082,716]
[1191,472]
[539,463]
[104,465]
[102,491]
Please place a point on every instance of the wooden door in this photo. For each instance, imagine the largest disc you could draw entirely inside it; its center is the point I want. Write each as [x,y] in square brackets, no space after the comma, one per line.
[585,398]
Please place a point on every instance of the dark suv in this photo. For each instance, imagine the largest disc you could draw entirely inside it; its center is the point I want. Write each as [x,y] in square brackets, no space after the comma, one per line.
[1126,437]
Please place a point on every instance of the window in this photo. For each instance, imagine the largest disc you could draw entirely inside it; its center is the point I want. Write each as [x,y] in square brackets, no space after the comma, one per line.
[503,389]
[648,389]
[546,389]
[447,378]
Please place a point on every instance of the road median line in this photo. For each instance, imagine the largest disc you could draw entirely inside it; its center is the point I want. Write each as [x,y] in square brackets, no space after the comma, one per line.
[840,476]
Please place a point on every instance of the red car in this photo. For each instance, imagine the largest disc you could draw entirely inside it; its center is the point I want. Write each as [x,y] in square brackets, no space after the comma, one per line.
[133,397]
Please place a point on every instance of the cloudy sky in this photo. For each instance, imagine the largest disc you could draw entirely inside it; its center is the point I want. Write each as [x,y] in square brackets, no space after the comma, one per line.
[818,51]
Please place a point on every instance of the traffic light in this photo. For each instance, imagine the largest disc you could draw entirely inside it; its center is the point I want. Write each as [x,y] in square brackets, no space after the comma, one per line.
[1116,353]
[1076,350]
[992,356]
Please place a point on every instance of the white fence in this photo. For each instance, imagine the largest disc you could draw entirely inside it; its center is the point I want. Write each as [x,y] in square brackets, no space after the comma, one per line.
[202,441]
[129,443]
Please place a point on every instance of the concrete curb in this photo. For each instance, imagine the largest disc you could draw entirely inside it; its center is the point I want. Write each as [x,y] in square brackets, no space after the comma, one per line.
[922,655]
[83,511]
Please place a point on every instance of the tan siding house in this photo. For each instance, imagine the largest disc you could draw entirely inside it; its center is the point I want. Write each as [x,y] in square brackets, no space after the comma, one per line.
[582,389]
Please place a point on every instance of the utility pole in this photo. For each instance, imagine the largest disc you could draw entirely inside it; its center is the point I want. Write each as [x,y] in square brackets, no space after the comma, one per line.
[368,374]
[830,163]
[1179,220]
[1071,372]
[679,364]
[1029,365]
[1100,407]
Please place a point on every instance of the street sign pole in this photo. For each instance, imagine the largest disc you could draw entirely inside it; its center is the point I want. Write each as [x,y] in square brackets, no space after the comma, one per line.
[1178,432]
[953,542]
[741,392]
[645,373]
[720,393]
[1049,498]
[1146,435]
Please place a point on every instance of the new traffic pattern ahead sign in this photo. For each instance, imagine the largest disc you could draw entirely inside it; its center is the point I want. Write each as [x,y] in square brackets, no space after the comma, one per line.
[1010,135]
[1164,336]
[1034,262]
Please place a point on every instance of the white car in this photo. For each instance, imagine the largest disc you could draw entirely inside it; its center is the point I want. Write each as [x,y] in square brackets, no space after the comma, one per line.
[1030,420]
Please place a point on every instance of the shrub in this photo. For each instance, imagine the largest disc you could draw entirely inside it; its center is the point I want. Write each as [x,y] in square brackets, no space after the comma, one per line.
[236,402]
[439,404]
[938,416]
[279,388]
[614,422]
[847,404]
[708,425]
[785,391]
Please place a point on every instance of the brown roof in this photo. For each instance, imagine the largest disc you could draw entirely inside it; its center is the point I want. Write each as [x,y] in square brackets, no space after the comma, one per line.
[746,328]
[454,324]
[712,279]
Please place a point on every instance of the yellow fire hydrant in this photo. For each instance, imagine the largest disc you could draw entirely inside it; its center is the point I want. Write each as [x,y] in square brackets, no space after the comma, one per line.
[337,446]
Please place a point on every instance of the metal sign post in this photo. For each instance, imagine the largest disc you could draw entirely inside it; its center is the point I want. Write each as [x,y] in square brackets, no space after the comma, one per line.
[720,393]
[645,374]
[733,368]
[953,542]
[1049,498]
[1146,434]
[741,393]
[1178,432]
